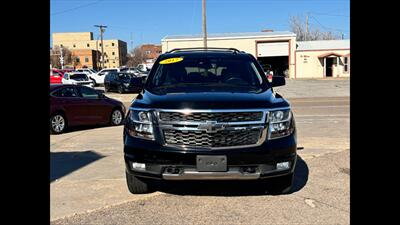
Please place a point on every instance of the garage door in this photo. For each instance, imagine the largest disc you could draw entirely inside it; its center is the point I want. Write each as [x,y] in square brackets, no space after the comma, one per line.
[273,49]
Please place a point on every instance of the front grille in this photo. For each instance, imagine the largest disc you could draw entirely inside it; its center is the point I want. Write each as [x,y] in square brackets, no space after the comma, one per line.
[225,138]
[212,116]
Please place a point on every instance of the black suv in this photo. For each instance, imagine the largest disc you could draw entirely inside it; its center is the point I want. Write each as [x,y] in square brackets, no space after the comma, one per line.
[209,114]
[123,82]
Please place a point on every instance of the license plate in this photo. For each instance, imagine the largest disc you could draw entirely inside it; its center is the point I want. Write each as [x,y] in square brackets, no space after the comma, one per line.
[211,163]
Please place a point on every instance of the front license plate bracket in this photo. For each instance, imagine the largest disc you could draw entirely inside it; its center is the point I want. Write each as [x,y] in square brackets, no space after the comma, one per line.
[211,163]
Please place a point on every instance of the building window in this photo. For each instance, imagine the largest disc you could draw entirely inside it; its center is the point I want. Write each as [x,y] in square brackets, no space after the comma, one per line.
[74,46]
[113,53]
[86,59]
[147,52]
[346,63]
[112,44]
[87,45]
[61,46]
[77,59]
[100,44]
[114,62]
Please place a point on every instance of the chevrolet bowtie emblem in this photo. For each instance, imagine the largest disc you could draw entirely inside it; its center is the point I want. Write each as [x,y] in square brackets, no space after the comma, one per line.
[211,126]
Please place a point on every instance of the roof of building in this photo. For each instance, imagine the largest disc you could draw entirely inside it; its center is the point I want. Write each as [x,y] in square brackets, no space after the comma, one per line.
[323,45]
[229,35]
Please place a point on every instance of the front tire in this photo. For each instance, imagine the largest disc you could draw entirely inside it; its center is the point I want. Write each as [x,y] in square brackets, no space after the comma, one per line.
[120,89]
[137,185]
[117,117]
[58,123]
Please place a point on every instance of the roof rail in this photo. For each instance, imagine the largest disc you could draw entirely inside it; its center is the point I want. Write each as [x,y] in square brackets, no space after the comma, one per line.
[203,49]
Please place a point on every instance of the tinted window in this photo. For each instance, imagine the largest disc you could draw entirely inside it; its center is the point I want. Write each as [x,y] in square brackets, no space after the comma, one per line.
[78,76]
[124,76]
[207,74]
[88,92]
[65,92]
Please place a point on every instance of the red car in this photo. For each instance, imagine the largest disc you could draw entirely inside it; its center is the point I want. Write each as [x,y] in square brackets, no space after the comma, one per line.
[56,76]
[72,105]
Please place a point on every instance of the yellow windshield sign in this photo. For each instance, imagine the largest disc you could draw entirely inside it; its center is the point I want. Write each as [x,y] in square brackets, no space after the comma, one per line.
[171,60]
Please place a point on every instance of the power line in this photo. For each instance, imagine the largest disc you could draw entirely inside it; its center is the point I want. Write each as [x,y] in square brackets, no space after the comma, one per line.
[328,14]
[324,27]
[78,7]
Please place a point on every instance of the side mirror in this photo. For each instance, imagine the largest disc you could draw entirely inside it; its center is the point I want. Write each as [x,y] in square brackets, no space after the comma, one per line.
[278,81]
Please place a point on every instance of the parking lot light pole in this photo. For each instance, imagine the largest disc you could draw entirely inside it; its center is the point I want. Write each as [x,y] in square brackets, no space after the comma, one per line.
[204,24]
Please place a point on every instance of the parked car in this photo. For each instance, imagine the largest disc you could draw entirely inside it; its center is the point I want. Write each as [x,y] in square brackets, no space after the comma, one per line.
[98,77]
[66,70]
[143,67]
[56,76]
[72,105]
[77,78]
[123,82]
[209,114]
[86,70]
[130,70]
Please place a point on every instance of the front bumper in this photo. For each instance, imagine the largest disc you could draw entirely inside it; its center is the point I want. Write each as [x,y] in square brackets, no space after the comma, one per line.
[171,163]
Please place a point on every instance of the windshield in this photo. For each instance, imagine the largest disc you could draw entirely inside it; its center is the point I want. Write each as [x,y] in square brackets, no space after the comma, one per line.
[206,74]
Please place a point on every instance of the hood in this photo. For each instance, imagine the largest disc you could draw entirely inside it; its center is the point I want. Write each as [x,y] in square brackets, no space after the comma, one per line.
[209,100]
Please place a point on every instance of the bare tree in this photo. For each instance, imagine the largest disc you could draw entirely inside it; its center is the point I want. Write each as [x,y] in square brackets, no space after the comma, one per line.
[135,57]
[55,53]
[298,26]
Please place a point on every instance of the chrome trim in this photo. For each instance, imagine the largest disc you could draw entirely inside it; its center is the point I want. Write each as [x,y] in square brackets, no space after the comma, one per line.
[171,127]
[233,174]
[264,122]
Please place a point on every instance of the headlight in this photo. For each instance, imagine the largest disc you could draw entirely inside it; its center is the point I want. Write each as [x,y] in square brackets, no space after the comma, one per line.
[280,124]
[140,124]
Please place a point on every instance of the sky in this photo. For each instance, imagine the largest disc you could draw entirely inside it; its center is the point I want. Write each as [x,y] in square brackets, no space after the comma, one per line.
[148,21]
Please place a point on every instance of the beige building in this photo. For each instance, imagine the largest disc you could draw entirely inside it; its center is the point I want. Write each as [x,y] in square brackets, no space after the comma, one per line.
[320,59]
[279,51]
[115,51]
[276,48]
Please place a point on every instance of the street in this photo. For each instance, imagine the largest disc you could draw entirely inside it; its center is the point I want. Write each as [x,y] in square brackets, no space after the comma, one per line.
[88,181]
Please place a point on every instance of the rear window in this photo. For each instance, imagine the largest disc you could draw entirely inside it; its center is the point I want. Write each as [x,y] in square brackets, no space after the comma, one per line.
[80,76]
[206,74]
[124,76]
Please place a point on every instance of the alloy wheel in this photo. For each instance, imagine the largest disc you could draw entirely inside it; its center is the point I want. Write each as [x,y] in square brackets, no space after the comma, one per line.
[58,123]
[116,117]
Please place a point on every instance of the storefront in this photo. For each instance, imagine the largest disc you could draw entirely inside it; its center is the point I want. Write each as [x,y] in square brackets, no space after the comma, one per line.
[278,51]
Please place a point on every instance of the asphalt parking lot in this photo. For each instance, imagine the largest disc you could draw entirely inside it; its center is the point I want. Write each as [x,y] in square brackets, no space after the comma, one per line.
[88,181]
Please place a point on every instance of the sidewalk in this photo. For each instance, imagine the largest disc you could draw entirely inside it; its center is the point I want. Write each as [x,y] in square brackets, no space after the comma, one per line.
[310,88]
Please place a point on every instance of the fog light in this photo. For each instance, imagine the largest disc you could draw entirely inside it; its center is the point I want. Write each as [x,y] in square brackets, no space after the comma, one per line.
[138,166]
[283,166]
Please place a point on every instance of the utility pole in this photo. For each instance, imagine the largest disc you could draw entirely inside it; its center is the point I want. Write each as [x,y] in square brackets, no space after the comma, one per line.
[102,45]
[204,25]
[342,36]
[131,41]
[305,36]
[61,58]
